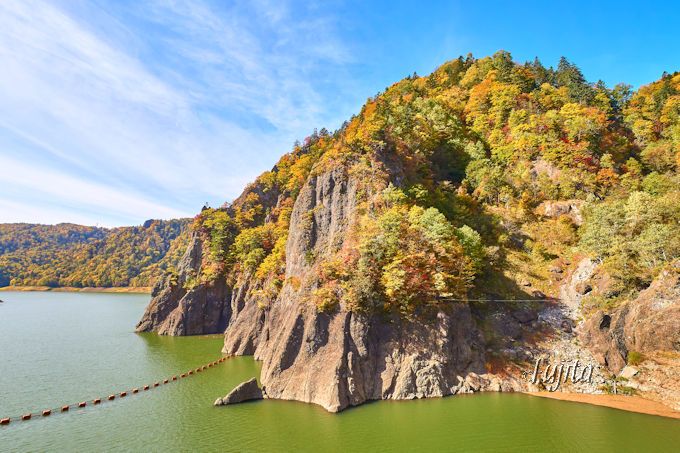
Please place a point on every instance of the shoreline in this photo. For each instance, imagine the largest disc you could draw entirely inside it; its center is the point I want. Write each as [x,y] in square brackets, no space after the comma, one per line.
[621,402]
[89,289]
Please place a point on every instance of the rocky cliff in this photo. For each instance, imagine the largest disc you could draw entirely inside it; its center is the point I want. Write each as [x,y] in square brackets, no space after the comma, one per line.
[343,358]
[644,332]
[176,309]
[437,242]
[647,324]
[336,359]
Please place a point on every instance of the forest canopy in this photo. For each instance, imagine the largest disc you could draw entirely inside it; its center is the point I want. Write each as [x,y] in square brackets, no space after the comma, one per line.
[483,147]
[82,256]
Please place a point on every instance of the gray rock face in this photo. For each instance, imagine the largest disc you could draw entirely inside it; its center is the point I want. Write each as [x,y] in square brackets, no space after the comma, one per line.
[205,308]
[570,292]
[323,211]
[175,310]
[524,315]
[246,391]
[337,359]
[649,323]
[343,359]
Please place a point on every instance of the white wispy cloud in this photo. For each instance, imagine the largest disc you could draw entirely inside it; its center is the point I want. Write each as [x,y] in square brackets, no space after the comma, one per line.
[120,112]
[84,195]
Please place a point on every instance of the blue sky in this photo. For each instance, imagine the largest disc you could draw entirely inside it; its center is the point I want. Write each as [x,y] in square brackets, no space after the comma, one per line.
[115,112]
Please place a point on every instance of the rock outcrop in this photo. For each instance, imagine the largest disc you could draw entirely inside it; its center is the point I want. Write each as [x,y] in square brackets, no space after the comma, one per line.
[646,328]
[336,359]
[178,310]
[569,208]
[343,358]
[576,285]
[246,391]
[649,323]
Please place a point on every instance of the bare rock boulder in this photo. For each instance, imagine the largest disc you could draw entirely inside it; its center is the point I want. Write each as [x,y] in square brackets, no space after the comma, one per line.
[246,391]
[628,372]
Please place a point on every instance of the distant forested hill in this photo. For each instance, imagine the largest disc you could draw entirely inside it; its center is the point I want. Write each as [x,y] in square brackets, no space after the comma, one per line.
[82,256]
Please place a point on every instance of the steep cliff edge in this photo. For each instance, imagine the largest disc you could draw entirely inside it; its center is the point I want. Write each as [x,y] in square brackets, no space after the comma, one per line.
[647,324]
[345,359]
[176,310]
[421,249]
[335,359]
[645,334]
[342,358]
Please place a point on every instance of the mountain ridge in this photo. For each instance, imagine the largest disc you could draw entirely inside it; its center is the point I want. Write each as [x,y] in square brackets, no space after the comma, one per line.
[71,255]
[343,269]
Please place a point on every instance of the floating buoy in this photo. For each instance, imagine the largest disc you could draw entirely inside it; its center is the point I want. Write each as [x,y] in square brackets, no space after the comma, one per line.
[66,408]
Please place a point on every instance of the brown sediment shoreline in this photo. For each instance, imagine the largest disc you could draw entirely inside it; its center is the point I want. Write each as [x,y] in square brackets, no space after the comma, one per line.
[126,289]
[621,402]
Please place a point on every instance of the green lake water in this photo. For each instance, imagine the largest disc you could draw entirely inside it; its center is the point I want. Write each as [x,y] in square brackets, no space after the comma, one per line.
[59,348]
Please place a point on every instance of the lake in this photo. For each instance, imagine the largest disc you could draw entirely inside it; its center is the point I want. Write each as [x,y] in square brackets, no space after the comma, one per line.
[61,348]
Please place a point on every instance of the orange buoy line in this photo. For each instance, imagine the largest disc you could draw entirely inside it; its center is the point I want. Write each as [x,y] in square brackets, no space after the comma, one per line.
[124,393]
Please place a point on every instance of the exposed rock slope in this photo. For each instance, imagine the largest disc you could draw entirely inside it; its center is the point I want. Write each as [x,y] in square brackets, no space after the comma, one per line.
[343,359]
[337,359]
[647,324]
[649,327]
[176,310]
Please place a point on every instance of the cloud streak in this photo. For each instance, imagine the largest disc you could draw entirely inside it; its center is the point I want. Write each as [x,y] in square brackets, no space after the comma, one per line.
[116,113]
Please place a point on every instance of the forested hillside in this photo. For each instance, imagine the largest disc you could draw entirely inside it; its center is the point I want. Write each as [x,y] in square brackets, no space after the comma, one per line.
[484,169]
[460,223]
[485,174]
[81,256]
